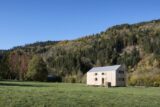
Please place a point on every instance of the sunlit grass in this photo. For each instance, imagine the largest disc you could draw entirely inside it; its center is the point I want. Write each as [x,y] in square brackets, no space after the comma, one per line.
[36,94]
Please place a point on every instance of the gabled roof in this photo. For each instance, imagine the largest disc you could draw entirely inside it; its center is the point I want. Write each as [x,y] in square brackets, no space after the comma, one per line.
[106,68]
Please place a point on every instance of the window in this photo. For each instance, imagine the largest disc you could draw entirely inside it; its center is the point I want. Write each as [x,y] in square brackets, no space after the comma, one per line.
[96,79]
[95,74]
[121,72]
[102,73]
[121,79]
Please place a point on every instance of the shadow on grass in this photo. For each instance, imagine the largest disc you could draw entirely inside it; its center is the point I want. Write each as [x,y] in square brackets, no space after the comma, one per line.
[21,85]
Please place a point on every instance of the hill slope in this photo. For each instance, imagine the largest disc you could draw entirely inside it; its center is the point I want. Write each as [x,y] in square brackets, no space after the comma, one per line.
[137,46]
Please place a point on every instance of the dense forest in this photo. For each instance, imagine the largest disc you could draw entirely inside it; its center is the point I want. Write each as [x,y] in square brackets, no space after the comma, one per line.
[136,46]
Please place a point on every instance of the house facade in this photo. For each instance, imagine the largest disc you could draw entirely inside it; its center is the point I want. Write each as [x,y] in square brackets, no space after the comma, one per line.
[107,76]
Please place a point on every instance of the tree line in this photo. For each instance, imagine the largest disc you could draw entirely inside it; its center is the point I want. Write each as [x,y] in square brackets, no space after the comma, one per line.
[123,44]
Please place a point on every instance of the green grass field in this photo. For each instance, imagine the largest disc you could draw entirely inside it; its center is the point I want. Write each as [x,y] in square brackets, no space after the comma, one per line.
[35,94]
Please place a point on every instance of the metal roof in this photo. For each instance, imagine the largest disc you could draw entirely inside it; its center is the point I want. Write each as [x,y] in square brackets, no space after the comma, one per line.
[106,68]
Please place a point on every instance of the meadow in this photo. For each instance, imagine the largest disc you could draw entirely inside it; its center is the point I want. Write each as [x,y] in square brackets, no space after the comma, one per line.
[36,94]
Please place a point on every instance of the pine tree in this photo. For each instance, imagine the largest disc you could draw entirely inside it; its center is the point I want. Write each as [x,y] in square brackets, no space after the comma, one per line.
[37,70]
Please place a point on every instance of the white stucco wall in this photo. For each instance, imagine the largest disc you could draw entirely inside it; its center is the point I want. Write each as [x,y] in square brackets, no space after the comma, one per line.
[109,76]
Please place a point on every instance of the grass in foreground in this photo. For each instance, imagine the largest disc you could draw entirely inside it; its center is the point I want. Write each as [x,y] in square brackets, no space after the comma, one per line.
[35,94]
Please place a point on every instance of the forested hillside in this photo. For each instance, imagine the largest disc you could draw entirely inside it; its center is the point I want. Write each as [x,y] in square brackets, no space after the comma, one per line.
[137,46]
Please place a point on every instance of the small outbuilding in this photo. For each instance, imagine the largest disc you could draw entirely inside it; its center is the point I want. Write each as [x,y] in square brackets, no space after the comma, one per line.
[54,78]
[107,76]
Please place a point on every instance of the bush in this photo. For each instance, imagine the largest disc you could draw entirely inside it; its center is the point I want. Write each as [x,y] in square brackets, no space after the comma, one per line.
[1,78]
[156,84]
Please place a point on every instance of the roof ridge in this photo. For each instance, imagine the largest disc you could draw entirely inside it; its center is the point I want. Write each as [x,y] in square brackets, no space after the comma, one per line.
[105,68]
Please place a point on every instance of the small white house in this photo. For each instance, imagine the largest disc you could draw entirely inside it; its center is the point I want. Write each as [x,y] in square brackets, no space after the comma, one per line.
[107,76]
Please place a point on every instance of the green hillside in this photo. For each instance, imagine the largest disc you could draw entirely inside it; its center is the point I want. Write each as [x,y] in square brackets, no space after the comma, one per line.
[137,46]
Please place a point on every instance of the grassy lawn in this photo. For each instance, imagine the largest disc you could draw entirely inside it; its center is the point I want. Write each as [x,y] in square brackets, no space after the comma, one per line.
[35,94]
